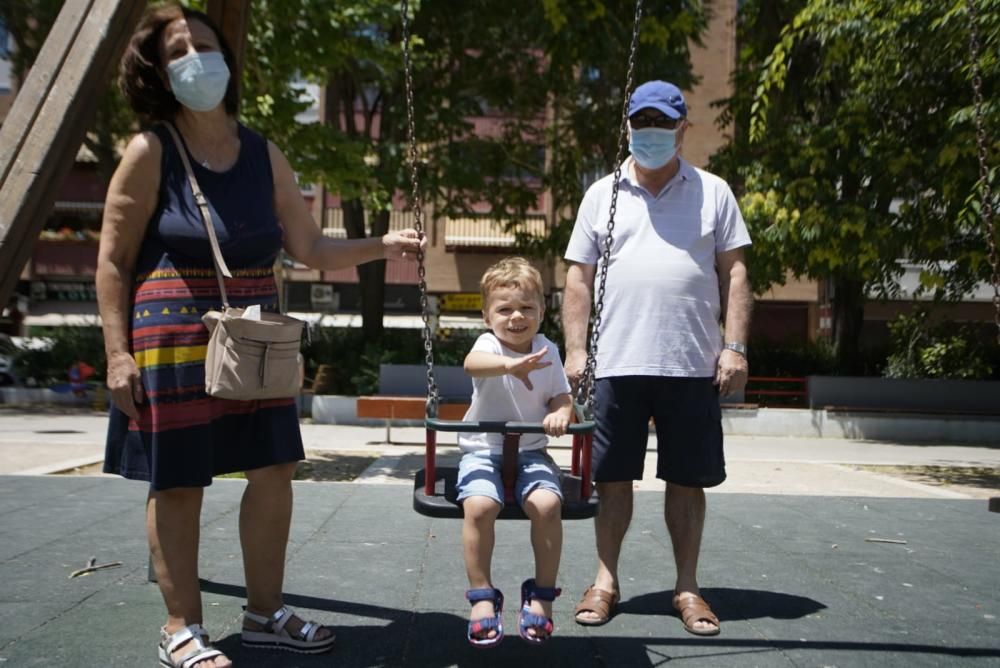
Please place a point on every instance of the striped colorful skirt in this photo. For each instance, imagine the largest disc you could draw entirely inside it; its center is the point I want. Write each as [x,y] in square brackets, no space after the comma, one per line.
[184,437]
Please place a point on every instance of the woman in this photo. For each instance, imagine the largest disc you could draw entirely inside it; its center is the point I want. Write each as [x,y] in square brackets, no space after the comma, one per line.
[155,279]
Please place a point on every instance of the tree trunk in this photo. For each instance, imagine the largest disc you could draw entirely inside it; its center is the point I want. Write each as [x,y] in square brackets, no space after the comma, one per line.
[373,284]
[848,317]
[371,275]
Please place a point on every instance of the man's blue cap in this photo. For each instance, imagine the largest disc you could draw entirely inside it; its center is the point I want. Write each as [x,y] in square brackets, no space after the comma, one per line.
[658,95]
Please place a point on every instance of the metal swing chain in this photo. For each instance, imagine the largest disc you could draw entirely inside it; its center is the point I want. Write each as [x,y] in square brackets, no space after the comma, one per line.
[984,172]
[588,385]
[418,213]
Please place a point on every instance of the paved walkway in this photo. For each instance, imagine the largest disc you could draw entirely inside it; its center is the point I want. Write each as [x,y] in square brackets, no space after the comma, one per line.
[795,580]
[39,443]
[788,562]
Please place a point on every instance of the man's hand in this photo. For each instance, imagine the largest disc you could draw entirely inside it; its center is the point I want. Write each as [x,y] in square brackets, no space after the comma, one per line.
[403,245]
[576,361]
[125,384]
[731,375]
[520,367]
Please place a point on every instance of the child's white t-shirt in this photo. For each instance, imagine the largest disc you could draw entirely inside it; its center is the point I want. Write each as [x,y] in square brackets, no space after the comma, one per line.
[506,398]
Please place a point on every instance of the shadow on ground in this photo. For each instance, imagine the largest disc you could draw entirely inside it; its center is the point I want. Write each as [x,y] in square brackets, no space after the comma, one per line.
[437,639]
[728,604]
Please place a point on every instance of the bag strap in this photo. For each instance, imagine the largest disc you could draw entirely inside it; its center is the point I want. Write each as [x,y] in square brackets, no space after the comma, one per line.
[221,269]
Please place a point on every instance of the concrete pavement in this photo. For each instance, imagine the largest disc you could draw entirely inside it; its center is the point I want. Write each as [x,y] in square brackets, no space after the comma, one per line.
[44,442]
[794,562]
[796,581]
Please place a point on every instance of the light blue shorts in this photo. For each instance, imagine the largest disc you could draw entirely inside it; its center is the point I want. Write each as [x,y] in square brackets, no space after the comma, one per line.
[479,474]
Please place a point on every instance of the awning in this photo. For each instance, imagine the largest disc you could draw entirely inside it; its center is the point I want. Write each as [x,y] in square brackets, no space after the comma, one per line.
[389,321]
[314,319]
[93,208]
[62,320]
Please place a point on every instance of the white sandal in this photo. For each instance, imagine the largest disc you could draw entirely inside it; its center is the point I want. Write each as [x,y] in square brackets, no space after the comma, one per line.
[274,635]
[192,634]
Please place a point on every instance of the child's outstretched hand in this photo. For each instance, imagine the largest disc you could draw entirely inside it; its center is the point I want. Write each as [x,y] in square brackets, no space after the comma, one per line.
[556,423]
[520,367]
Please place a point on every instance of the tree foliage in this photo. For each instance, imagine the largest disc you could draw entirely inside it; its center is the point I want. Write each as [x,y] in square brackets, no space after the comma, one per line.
[855,145]
[546,75]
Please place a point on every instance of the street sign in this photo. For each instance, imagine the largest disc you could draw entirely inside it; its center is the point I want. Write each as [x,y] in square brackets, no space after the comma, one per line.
[462,301]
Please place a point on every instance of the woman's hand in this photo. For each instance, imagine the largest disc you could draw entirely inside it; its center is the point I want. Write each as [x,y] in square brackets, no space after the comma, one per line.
[403,245]
[125,384]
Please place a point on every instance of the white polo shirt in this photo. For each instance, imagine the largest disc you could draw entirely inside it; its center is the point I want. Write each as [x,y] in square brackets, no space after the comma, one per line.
[506,398]
[661,304]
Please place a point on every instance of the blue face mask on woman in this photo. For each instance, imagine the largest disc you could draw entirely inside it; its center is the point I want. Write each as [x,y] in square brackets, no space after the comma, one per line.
[199,80]
[653,147]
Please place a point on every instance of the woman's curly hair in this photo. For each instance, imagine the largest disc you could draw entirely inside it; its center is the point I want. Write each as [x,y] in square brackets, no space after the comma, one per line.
[141,75]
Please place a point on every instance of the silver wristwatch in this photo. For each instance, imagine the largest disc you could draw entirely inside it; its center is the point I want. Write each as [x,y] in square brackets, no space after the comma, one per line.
[738,348]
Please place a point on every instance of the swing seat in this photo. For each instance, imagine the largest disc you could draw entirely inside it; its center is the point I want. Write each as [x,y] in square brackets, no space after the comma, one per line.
[443,503]
[439,498]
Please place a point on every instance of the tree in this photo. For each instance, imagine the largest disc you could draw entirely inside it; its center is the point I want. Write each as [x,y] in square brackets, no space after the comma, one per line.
[550,71]
[856,146]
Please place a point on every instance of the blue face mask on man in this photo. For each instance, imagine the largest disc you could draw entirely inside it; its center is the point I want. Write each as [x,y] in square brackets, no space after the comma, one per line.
[199,80]
[652,148]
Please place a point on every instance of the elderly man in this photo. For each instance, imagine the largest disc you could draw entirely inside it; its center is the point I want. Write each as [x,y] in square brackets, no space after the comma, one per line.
[675,272]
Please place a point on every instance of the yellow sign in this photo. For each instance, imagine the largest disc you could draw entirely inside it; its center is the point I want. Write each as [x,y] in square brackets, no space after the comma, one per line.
[462,301]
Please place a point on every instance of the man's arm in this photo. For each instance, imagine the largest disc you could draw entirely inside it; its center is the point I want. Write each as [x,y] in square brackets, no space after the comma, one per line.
[577,298]
[737,305]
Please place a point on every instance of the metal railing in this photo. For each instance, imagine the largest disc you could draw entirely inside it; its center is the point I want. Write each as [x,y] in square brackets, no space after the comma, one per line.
[777,391]
[483,232]
[333,226]
[464,232]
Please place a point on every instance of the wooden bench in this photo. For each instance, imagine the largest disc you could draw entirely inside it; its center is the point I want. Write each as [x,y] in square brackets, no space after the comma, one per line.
[402,394]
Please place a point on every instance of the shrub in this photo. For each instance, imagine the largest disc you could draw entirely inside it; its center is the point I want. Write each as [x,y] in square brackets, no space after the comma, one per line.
[767,358]
[922,349]
[354,362]
[68,345]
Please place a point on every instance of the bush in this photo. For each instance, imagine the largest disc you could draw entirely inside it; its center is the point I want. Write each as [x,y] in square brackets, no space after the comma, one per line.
[354,362]
[767,358]
[922,349]
[68,345]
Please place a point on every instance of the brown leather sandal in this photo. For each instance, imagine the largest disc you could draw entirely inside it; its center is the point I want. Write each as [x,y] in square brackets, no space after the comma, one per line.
[598,601]
[694,609]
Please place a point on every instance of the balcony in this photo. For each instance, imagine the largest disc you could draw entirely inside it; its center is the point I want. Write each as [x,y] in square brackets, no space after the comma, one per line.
[480,233]
[468,233]
[333,226]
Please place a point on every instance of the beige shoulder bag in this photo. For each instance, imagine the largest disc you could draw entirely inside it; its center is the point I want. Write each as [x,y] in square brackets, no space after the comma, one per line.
[246,358]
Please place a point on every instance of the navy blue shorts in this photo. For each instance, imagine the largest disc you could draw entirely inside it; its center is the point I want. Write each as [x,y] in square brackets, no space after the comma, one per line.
[688,429]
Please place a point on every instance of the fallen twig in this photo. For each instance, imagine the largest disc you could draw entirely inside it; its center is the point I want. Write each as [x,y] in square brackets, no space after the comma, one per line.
[885,540]
[92,566]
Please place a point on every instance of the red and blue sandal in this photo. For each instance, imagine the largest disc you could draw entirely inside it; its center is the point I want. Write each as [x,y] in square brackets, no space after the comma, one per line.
[479,627]
[530,620]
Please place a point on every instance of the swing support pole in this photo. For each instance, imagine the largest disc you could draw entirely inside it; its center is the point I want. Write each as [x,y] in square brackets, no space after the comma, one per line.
[430,463]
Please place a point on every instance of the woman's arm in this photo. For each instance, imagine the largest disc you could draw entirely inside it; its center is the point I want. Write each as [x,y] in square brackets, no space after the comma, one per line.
[305,242]
[131,200]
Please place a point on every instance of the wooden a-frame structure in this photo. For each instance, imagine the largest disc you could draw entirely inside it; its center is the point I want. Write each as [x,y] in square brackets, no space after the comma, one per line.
[55,106]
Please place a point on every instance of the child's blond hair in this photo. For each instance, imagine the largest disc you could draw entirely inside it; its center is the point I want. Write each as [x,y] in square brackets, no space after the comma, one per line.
[511,272]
